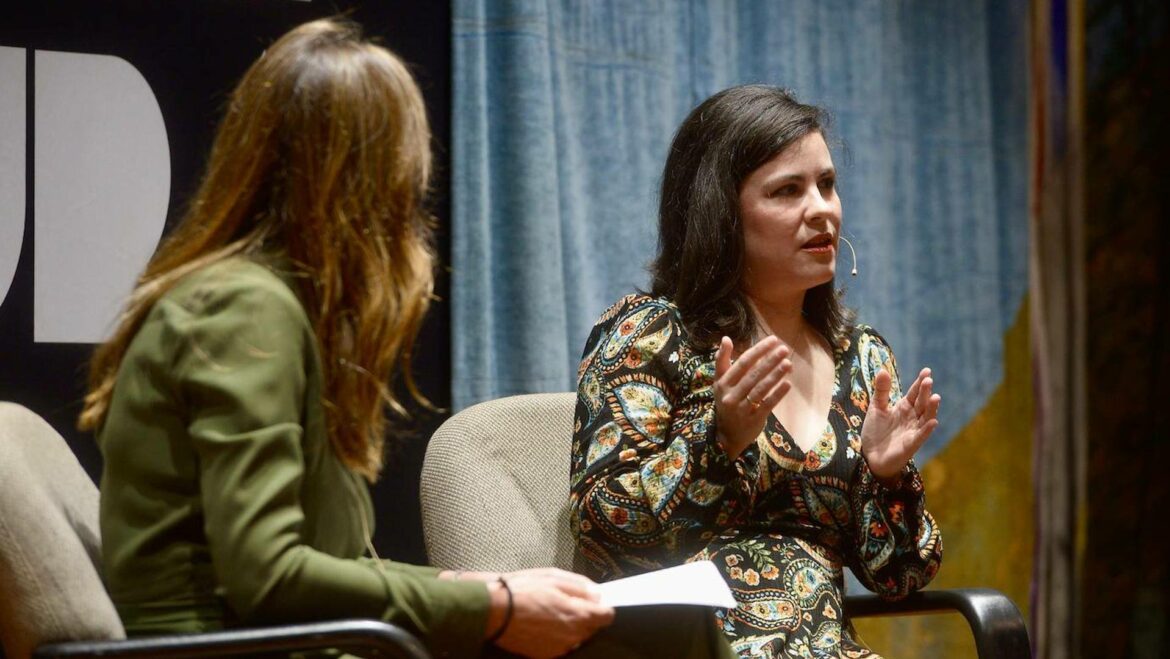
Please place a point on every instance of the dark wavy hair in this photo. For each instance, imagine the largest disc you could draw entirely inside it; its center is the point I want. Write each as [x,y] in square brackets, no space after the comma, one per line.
[700,261]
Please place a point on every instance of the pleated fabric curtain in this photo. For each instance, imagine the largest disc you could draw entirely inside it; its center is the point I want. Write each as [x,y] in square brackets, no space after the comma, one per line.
[563,112]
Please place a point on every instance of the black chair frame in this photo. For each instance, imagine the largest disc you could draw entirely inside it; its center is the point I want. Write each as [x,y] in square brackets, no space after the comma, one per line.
[370,638]
[995,621]
[996,624]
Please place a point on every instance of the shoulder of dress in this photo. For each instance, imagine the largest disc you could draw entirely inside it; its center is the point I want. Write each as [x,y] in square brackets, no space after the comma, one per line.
[236,282]
[865,338]
[636,303]
[661,316]
[863,330]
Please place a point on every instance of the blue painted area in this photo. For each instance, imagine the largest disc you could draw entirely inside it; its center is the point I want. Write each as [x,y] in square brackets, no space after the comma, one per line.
[564,111]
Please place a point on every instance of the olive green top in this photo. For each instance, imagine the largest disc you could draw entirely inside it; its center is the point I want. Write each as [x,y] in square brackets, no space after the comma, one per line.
[222,501]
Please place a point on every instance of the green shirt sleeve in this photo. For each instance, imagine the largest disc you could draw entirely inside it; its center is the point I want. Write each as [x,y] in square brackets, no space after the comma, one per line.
[240,362]
[407,568]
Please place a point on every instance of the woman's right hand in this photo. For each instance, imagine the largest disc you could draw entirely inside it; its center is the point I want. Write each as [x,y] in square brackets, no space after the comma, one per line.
[747,389]
[553,612]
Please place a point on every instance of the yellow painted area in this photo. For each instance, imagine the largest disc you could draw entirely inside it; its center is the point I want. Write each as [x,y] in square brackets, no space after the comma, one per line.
[979,489]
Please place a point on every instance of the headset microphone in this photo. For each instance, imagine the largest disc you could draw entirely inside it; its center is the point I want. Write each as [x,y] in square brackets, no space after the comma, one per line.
[853,252]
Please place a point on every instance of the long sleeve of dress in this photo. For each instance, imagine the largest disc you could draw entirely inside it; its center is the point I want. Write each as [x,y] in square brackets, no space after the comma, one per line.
[897,545]
[649,484]
[239,365]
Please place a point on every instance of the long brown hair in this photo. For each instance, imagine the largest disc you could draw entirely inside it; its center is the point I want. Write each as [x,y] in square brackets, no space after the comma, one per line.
[323,158]
[700,261]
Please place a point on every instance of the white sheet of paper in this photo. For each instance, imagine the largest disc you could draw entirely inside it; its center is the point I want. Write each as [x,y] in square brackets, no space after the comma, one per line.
[691,583]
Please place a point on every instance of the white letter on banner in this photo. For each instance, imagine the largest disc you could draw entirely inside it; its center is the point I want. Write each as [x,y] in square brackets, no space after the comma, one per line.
[102,181]
[12,163]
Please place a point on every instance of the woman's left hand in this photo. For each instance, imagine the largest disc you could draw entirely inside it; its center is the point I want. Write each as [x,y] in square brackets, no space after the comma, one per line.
[891,435]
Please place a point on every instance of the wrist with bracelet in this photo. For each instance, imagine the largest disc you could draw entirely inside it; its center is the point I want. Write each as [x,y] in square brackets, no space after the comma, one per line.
[507,612]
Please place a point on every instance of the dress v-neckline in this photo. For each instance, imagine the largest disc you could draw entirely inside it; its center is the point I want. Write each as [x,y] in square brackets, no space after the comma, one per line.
[790,443]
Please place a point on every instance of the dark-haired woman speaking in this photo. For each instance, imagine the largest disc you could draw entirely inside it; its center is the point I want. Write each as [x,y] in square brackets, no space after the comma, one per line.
[736,413]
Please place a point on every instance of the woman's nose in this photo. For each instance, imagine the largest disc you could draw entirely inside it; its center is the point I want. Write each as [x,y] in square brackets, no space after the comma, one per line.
[820,203]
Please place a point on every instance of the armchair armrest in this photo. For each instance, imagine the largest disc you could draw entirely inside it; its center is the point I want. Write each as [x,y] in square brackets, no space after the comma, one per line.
[384,639]
[995,621]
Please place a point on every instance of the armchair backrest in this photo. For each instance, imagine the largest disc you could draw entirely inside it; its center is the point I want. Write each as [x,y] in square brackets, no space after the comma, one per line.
[495,485]
[50,544]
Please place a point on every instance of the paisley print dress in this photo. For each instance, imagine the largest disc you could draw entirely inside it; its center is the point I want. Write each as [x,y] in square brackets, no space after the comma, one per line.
[652,488]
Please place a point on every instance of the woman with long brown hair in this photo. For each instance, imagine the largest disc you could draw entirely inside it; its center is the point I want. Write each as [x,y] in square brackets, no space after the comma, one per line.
[241,400]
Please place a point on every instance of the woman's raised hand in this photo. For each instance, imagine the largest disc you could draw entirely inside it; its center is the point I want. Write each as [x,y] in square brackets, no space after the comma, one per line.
[553,611]
[747,390]
[891,435]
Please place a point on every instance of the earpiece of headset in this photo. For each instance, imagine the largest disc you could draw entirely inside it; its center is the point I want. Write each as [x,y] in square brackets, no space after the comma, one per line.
[851,251]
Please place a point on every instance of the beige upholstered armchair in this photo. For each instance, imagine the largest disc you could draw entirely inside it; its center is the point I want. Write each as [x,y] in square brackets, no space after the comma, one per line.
[52,601]
[495,487]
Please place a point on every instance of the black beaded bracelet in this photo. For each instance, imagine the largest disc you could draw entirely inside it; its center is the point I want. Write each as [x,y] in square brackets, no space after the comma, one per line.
[507,614]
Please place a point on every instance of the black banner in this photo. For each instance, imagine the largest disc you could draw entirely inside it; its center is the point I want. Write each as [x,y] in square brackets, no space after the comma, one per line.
[107,110]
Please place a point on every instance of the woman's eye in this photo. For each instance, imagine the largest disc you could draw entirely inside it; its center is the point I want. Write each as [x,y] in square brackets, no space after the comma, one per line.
[785,191]
[828,183]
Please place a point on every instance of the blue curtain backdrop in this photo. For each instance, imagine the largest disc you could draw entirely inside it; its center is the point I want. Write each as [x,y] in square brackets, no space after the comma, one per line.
[563,112]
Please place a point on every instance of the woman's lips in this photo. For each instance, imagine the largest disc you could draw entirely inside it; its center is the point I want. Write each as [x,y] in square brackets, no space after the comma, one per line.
[819,249]
[822,244]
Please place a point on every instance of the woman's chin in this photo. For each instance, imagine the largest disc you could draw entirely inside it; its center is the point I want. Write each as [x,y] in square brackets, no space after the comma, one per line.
[782,287]
[822,276]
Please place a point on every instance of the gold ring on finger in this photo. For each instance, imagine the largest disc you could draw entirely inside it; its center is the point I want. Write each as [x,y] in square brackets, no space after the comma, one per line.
[754,403]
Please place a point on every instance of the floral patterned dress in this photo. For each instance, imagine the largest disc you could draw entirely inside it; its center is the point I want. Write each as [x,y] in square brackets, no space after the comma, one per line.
[651,488]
